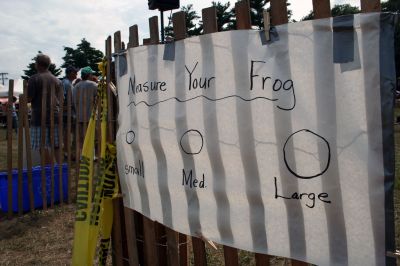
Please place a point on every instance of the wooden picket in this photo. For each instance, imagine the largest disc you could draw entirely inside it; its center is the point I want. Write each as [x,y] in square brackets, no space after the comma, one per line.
[69,144]
[25,121]
[42,145]
[60,154]
[20,158]
[52,89]
[9,145]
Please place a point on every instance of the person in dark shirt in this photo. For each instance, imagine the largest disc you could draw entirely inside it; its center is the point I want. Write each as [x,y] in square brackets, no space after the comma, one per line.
[37,84]
[70,75]
[83,95]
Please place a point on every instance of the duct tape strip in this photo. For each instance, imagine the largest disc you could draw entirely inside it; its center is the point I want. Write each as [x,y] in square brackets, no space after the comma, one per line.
[273,36]
[122,65]
[343,39]
[169,51]
[387,84]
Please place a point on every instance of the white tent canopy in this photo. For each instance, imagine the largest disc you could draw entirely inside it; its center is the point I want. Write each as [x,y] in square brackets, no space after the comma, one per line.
[18,88]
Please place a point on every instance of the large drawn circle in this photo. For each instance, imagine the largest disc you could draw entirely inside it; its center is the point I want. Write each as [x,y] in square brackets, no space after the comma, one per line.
[192,142]
[318,138]
[130,137]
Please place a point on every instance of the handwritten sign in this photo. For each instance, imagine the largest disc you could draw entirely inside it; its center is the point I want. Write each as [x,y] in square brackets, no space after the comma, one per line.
[270,148]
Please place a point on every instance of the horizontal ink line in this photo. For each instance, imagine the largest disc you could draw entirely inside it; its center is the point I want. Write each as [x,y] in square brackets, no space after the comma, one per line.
[214,100]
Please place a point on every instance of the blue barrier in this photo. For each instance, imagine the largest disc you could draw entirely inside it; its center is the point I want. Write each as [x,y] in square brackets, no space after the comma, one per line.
[37,187]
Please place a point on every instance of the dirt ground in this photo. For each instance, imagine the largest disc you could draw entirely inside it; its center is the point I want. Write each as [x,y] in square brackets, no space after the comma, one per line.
[39,238]
[46,237]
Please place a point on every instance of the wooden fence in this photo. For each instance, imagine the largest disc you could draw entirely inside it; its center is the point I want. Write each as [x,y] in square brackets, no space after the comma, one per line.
[66,156]
[138,240]
[135,239]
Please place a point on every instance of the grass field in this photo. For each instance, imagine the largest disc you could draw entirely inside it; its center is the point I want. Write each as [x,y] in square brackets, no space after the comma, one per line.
[45,237]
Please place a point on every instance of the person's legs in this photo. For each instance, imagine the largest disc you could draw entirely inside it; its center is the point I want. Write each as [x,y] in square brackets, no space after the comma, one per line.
[65,135]
[15,124]
[57,143]
[35,145]
[49,157]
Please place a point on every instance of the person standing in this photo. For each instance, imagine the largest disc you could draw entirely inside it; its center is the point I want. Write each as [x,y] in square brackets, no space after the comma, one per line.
[85,89]
[70,75]
[37,83]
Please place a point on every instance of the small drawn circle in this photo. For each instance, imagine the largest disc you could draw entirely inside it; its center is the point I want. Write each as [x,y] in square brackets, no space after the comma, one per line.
[192,142]
[130,137]
[318,140]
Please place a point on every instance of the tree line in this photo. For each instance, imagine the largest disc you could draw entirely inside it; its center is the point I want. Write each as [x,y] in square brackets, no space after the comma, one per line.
[81,56]
[85,55]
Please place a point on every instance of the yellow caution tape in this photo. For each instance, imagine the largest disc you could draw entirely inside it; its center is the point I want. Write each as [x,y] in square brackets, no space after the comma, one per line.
[94,212]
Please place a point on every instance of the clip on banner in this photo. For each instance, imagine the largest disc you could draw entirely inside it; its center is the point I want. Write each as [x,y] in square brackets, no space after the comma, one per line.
[343,39]
[269,34]
[169,51]
[267,24]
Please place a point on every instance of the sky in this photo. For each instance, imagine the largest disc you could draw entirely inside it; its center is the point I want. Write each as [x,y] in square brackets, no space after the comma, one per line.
[29,26]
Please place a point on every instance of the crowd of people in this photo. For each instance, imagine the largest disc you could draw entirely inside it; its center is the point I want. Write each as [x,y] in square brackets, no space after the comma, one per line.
[83,91]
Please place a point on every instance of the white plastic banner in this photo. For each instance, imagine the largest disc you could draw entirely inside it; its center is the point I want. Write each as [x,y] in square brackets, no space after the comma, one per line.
[272,148]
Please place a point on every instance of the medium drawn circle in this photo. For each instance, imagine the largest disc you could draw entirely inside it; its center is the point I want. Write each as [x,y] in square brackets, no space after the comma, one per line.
[192,142]
[130,137]
[325,157]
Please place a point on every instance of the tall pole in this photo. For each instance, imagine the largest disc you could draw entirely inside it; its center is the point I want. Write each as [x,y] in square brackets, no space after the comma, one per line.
[162,26]
[3,76]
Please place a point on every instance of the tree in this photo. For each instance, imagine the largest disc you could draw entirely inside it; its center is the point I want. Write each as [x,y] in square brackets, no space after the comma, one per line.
[257,9]
[190,17]
[32,70]
[256,12]
[83,55]
[225,18]
[337,10]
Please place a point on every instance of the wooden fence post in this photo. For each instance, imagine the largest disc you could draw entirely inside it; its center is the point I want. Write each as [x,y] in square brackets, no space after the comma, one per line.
[171,251]
[28,146]
[370,6]
[52,103]
[77,97]
[278,12]
[209,16]
[179,26]
[278,17]
[149,227]
[153,25]
[322,9]
[9,147]
[130,229]
[210,25]
[133,36]
[116,234]
[20,153]
[69,131]
[43,134]
[243,19]
[60,154]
